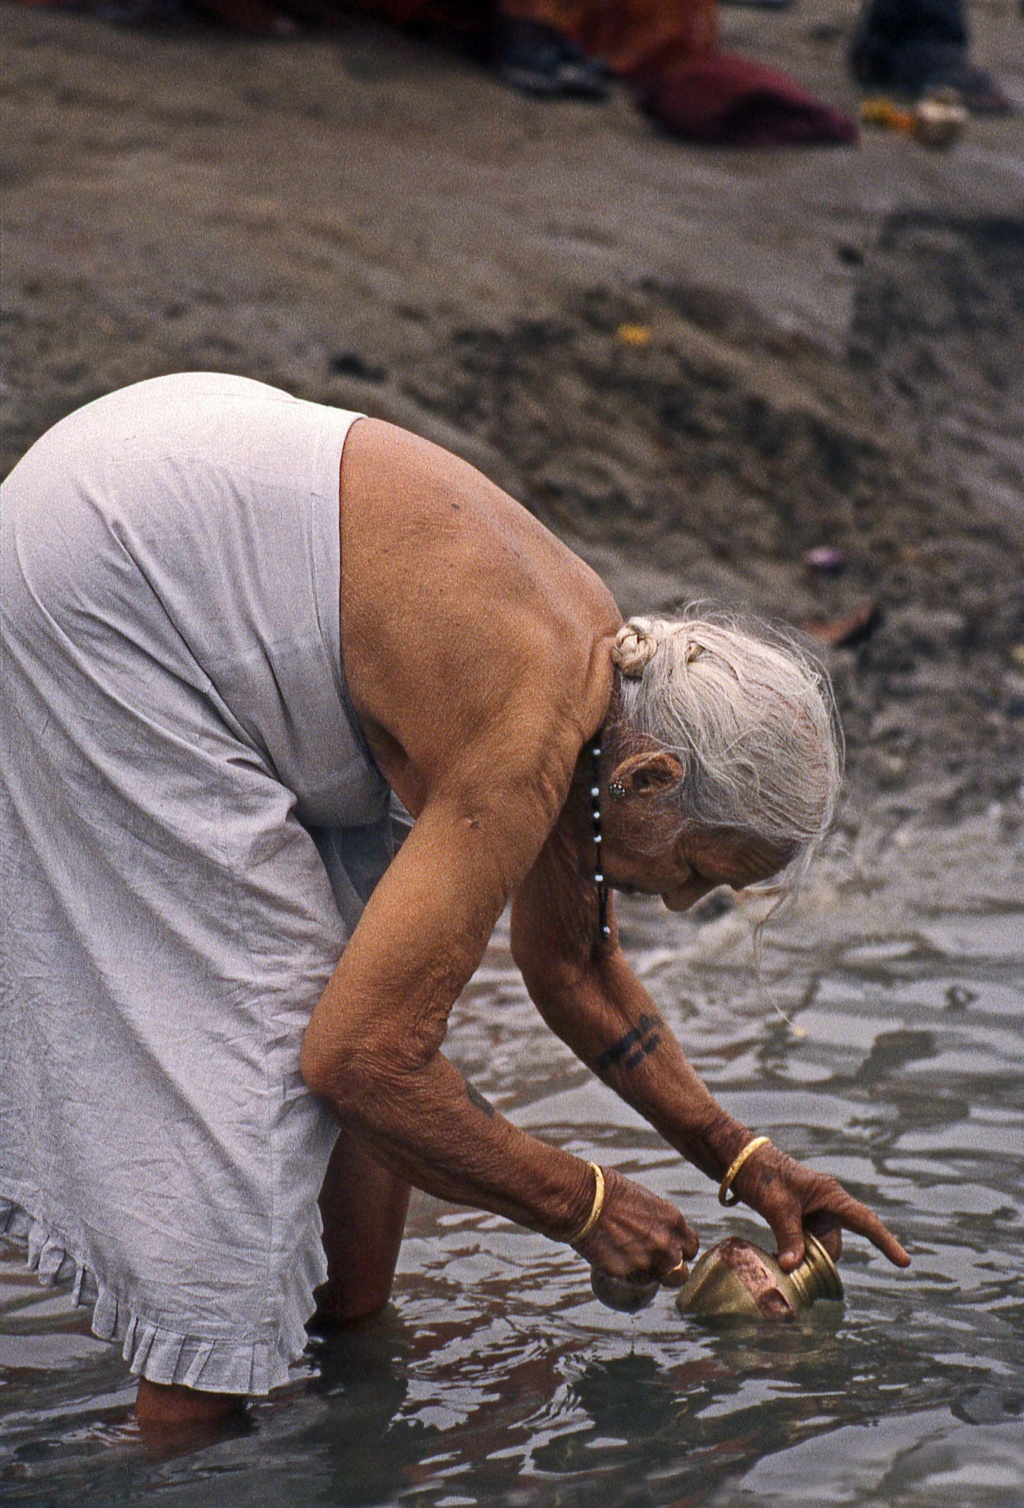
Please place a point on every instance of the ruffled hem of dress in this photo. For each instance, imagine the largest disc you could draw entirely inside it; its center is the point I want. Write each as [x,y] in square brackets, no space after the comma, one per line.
[210,1364]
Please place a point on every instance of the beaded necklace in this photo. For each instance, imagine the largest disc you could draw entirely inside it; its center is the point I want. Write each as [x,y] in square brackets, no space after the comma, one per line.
[604,930]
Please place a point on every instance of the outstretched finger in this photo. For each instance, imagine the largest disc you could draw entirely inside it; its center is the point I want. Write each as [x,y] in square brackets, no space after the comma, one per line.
[859,1218]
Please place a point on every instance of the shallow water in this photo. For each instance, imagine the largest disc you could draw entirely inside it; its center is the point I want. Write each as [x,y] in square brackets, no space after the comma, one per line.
[497,1379]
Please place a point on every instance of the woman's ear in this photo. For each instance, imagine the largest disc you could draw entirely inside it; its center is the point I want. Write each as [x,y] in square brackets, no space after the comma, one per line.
[652,774]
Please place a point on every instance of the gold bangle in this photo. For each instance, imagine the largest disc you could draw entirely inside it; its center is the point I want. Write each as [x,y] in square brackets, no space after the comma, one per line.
[595,1209]
[734,1167]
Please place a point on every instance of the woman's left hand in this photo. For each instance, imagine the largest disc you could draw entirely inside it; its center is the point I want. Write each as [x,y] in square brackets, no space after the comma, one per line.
[793,1198]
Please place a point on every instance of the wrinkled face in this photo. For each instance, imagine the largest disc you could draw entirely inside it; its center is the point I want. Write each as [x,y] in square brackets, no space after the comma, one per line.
[683,869]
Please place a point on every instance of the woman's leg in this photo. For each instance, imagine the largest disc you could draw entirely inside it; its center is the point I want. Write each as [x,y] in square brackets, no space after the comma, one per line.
[363,1208]
[166,1405]
[175,1420]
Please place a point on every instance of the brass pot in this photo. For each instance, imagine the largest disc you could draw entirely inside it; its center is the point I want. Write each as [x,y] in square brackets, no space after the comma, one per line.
[740,1279]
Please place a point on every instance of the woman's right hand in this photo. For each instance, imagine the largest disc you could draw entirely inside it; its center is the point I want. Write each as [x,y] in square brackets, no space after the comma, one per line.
[639,1235]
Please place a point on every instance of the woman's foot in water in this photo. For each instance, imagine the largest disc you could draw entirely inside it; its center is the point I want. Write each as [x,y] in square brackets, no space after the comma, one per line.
[174,1420]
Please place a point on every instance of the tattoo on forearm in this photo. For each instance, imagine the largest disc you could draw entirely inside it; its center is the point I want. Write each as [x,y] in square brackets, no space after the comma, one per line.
[476,1098]
[633,1047]
[641,1052]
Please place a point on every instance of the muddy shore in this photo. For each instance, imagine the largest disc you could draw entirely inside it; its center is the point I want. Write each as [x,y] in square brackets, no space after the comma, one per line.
[830,347]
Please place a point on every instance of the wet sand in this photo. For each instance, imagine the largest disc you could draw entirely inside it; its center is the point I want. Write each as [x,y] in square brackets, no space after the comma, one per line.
[834,335]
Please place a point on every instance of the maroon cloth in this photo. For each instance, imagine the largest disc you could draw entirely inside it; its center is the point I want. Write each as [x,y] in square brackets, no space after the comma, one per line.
[729,99]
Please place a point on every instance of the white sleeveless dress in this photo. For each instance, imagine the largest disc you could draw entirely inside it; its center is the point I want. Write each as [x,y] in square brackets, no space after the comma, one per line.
[191,824]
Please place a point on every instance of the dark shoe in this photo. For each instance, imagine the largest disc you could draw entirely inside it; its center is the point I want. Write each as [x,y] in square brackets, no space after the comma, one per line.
[538,60]
[913,47]
[918,69]
[975,88]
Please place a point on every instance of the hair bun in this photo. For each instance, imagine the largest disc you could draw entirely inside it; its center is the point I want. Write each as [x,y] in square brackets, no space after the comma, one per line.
[635,647]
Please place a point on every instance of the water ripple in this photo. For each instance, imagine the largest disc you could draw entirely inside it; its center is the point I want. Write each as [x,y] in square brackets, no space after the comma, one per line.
[496,1378]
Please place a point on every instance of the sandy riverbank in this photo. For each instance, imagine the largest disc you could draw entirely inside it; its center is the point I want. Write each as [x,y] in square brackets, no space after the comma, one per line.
[834,335]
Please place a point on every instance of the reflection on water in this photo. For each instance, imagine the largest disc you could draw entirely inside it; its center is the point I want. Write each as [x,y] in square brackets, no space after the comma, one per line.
[497,1379]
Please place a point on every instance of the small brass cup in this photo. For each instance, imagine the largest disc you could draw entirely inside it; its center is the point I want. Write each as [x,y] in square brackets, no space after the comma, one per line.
[628,1297]
[740,1279]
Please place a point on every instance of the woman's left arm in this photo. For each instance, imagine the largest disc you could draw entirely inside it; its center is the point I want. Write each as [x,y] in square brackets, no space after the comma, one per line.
[589,996]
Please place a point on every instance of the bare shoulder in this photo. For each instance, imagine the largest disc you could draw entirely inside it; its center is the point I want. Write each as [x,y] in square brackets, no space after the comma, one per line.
[474,641]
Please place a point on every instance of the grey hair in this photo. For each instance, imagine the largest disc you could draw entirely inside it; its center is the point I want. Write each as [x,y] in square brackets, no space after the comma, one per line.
[750,716]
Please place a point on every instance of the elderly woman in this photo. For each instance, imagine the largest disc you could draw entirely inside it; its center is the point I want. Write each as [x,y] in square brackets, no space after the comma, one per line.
[224,992]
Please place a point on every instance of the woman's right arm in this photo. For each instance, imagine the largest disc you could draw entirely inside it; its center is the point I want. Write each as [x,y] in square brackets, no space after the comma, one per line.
[372,1049]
